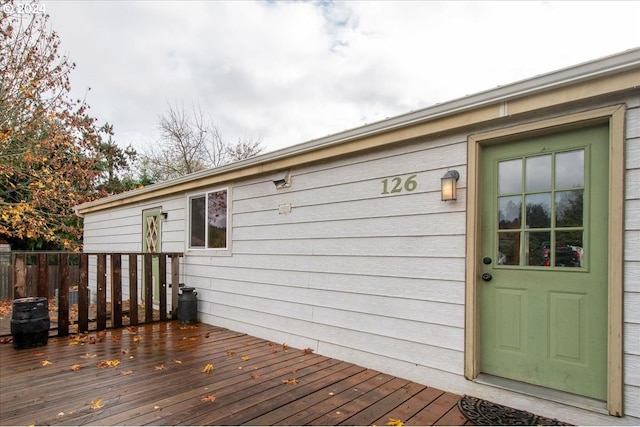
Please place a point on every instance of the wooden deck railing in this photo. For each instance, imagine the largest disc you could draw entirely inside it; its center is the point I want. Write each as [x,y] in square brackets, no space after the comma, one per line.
[107,284]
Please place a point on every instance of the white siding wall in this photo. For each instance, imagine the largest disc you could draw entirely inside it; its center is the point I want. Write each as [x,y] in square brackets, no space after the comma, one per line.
[355,274]
[632,262]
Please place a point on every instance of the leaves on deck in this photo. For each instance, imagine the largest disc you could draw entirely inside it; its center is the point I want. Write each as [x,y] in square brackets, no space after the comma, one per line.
[137,339]
[207,369]
[76,367]
[244,358]
[45,363]
[96,405]
[291,381]
[160,367]
[255,375]
[307,350]
[112,363]
[394,422]
[209,398]
[88,356]
[125,373]
[231,353]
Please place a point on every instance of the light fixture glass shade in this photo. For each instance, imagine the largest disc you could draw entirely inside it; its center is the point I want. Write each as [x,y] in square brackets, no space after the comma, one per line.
[448,185]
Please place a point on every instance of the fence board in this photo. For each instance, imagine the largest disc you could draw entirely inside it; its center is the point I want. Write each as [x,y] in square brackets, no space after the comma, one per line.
[175,284]
[19,276]
[42,288]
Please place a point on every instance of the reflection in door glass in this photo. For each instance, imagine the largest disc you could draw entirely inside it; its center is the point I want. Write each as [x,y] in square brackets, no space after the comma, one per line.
[508,248]
[509,212]
[538,210]
[569,207]
[510,177]
[569,250]
[538,250]
[538,173]
[570,169]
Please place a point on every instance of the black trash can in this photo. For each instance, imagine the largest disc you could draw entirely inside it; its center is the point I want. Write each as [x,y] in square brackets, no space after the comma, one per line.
[188,305]
[30,322]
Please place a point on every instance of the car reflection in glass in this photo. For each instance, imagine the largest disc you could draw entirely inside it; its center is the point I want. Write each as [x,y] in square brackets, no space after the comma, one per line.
[566,255]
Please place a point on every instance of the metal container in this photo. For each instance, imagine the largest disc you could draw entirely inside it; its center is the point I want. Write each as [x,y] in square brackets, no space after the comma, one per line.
[188,305]
[30,322]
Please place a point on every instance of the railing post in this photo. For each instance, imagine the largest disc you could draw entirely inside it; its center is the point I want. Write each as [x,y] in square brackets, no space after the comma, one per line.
[63,294]
[101,303]
[116,290]
[175,285]
[162,272]
[148,288]
[83,294]
[133,289]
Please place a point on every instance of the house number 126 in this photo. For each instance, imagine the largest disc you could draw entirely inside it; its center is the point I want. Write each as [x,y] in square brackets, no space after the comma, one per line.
[395,185]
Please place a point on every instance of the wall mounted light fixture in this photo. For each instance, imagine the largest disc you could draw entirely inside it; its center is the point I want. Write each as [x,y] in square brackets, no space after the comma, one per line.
[164,215]
[448,185]
[282,179]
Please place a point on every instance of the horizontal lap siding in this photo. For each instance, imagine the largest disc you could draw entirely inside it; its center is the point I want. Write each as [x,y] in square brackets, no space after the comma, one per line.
[632,263]
[349,270]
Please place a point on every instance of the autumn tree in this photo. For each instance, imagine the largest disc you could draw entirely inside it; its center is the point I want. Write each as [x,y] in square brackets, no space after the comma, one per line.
[48,142]
[190,142]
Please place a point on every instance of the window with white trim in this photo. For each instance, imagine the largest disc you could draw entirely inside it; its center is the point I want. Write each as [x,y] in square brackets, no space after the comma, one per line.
[208,220]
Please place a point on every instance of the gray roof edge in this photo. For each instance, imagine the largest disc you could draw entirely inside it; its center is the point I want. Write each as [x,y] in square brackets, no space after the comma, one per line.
[608,65]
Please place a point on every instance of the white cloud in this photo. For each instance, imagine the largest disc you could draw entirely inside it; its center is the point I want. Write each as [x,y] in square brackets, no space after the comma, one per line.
[292,71]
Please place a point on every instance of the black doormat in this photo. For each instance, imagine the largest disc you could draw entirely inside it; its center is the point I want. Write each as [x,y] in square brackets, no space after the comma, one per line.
[484,413]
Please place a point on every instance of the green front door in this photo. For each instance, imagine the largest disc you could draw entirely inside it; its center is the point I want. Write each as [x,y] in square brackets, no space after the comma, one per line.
[151,243]
[543,260]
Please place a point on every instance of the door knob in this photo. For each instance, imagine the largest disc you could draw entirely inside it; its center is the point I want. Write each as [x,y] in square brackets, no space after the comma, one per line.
[487,277]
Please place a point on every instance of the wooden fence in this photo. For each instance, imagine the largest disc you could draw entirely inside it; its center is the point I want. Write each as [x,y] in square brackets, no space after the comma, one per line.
[107,268]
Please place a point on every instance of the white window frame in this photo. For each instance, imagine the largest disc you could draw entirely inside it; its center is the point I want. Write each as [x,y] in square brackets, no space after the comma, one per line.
[205,193]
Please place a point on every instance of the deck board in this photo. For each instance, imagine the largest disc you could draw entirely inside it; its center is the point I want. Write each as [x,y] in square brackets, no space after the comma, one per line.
[165,383]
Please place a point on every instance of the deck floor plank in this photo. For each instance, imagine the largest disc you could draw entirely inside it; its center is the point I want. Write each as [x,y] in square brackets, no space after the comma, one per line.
[160,380]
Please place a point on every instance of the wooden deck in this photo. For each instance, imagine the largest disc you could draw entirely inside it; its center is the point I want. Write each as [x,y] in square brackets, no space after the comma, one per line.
[159,378]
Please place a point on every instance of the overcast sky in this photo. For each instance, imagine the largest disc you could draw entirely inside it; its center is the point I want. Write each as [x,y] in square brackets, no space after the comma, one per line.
[289,72]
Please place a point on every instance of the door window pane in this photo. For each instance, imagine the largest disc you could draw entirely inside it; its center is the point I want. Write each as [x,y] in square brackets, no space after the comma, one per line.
[508,249]
[538,248]
[509,212]
[538,210]
[569,208]
[510,177]
[570,170]
[538,173]
[569,249]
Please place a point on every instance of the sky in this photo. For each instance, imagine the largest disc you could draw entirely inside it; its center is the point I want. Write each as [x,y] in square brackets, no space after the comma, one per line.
[289,72]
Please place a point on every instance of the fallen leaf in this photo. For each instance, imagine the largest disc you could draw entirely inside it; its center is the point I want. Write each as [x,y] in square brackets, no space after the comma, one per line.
[285,347]
[96,405]
[137,339]
[209,398]
[45,363]
[255,375]
[92,340]
[207,369]
[307,350]
[156,407]
[393,422]
[61,414]
[160,367]
[108,363]
[38,354]
[177,361]
[124,373]
[132,329]
[76,367]
[290,381]
[245,358]
[231,353]
[88,356]
[125,351]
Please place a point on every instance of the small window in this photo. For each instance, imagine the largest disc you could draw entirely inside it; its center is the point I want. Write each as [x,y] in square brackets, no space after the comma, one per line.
[208,220]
